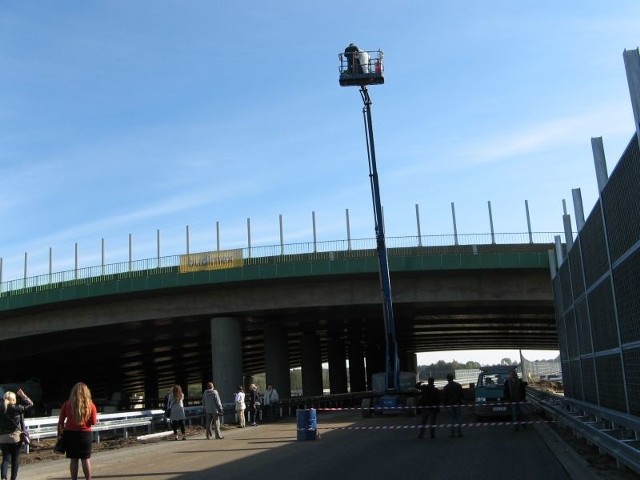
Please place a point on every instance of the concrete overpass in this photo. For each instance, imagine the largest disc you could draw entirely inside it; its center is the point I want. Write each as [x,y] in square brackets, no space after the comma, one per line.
[144,330]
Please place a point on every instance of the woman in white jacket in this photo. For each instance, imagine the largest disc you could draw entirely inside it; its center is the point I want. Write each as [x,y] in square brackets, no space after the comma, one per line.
[240,406]
[176,408]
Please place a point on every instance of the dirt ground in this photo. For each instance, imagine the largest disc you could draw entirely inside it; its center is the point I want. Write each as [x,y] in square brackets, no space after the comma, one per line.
[42,450]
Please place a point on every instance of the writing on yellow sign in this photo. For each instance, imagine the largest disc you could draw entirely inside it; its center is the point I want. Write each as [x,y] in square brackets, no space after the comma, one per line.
[195,262]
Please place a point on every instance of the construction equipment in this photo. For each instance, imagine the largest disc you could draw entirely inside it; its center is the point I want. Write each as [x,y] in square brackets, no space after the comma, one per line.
[361,68]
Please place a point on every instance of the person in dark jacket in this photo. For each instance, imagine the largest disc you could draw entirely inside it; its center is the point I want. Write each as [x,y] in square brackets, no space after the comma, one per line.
[353,60]
[254,403]
[452,397]
[11,425]
[429,403]
[515,392]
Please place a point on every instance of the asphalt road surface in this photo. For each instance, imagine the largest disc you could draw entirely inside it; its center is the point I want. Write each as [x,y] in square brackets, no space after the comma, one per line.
[349,447]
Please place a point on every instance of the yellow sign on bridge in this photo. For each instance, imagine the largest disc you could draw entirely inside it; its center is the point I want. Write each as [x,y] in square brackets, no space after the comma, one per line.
[196,262]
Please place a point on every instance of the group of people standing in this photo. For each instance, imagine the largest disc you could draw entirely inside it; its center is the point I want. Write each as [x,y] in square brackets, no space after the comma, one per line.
[255,404]
[77,415]
[452,397]
[430,400]
[252,403]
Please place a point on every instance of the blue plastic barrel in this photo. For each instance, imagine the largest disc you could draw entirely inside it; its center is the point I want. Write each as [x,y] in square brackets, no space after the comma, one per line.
[306,423]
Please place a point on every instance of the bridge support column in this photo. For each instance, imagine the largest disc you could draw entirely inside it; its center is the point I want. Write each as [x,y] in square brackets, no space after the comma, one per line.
[375,361]
[408,362]
[152,398]
[226,356]
[276,359]
[311,358]
[357,373]
[337,365]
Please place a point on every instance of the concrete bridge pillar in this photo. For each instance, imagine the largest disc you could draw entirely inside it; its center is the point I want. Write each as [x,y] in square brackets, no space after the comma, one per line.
[226,356]
[337,363]
[357,373]
[408,362]
[311,359]
[276,359]
[375,361]
[152,397]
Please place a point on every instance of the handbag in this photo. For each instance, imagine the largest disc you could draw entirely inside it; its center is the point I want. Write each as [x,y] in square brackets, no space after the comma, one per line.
[59,446]
[13,437]
[24,437]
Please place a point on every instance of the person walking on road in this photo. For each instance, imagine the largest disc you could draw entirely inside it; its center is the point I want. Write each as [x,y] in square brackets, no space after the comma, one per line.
[430,406]
[77,416]
[452,397]
[11,425]
[213,410]
[177,416]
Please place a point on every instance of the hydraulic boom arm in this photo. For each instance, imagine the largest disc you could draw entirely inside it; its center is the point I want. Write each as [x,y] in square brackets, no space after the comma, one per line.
[392,364]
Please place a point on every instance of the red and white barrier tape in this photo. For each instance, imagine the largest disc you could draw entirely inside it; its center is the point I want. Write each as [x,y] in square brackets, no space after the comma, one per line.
[440,425]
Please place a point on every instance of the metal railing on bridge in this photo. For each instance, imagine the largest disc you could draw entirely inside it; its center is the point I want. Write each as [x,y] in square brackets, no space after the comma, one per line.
[352,248]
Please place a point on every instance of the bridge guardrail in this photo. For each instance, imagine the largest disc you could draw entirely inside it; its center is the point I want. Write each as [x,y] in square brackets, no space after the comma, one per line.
[446,244]
[47,427]
[614,433]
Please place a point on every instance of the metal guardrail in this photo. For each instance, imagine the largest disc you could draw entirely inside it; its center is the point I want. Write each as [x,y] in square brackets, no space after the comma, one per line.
[47,427]
[614,433]
[351,248]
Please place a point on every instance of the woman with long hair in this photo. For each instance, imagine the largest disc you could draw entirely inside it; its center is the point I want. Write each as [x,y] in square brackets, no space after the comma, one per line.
[77,415]
[11,424]
[176,409]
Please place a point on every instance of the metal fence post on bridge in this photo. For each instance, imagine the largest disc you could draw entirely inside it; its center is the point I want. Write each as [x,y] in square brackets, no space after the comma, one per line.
[632,67]
[526,207]
[249,237]
[313,223]
[493,235]
[418,222]
[281,235]
[348,230]
[455,227]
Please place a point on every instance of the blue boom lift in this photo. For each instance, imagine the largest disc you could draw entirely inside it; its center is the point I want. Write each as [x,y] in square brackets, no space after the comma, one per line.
[395,390]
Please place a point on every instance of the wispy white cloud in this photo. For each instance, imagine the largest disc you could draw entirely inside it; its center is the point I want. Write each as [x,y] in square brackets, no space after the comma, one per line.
[547,136]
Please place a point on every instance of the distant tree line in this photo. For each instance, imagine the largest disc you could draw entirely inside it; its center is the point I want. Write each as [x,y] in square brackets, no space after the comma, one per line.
[440,369]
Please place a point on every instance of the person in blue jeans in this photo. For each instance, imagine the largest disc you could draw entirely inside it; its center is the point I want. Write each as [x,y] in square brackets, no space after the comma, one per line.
[452,397]
[11,424]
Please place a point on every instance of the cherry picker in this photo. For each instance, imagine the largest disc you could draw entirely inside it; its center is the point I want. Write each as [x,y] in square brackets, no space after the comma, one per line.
[397,390]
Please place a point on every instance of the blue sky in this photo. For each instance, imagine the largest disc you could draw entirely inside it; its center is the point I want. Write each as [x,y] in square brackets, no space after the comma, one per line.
[122,118]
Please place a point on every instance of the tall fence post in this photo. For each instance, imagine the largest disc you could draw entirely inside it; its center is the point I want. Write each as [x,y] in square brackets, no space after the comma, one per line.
[158,246]
[493,234]
[526,207]
[249,236]
[313,223]
[418,224]
[348,230]
[455,226]
[281,235]
[632,67]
